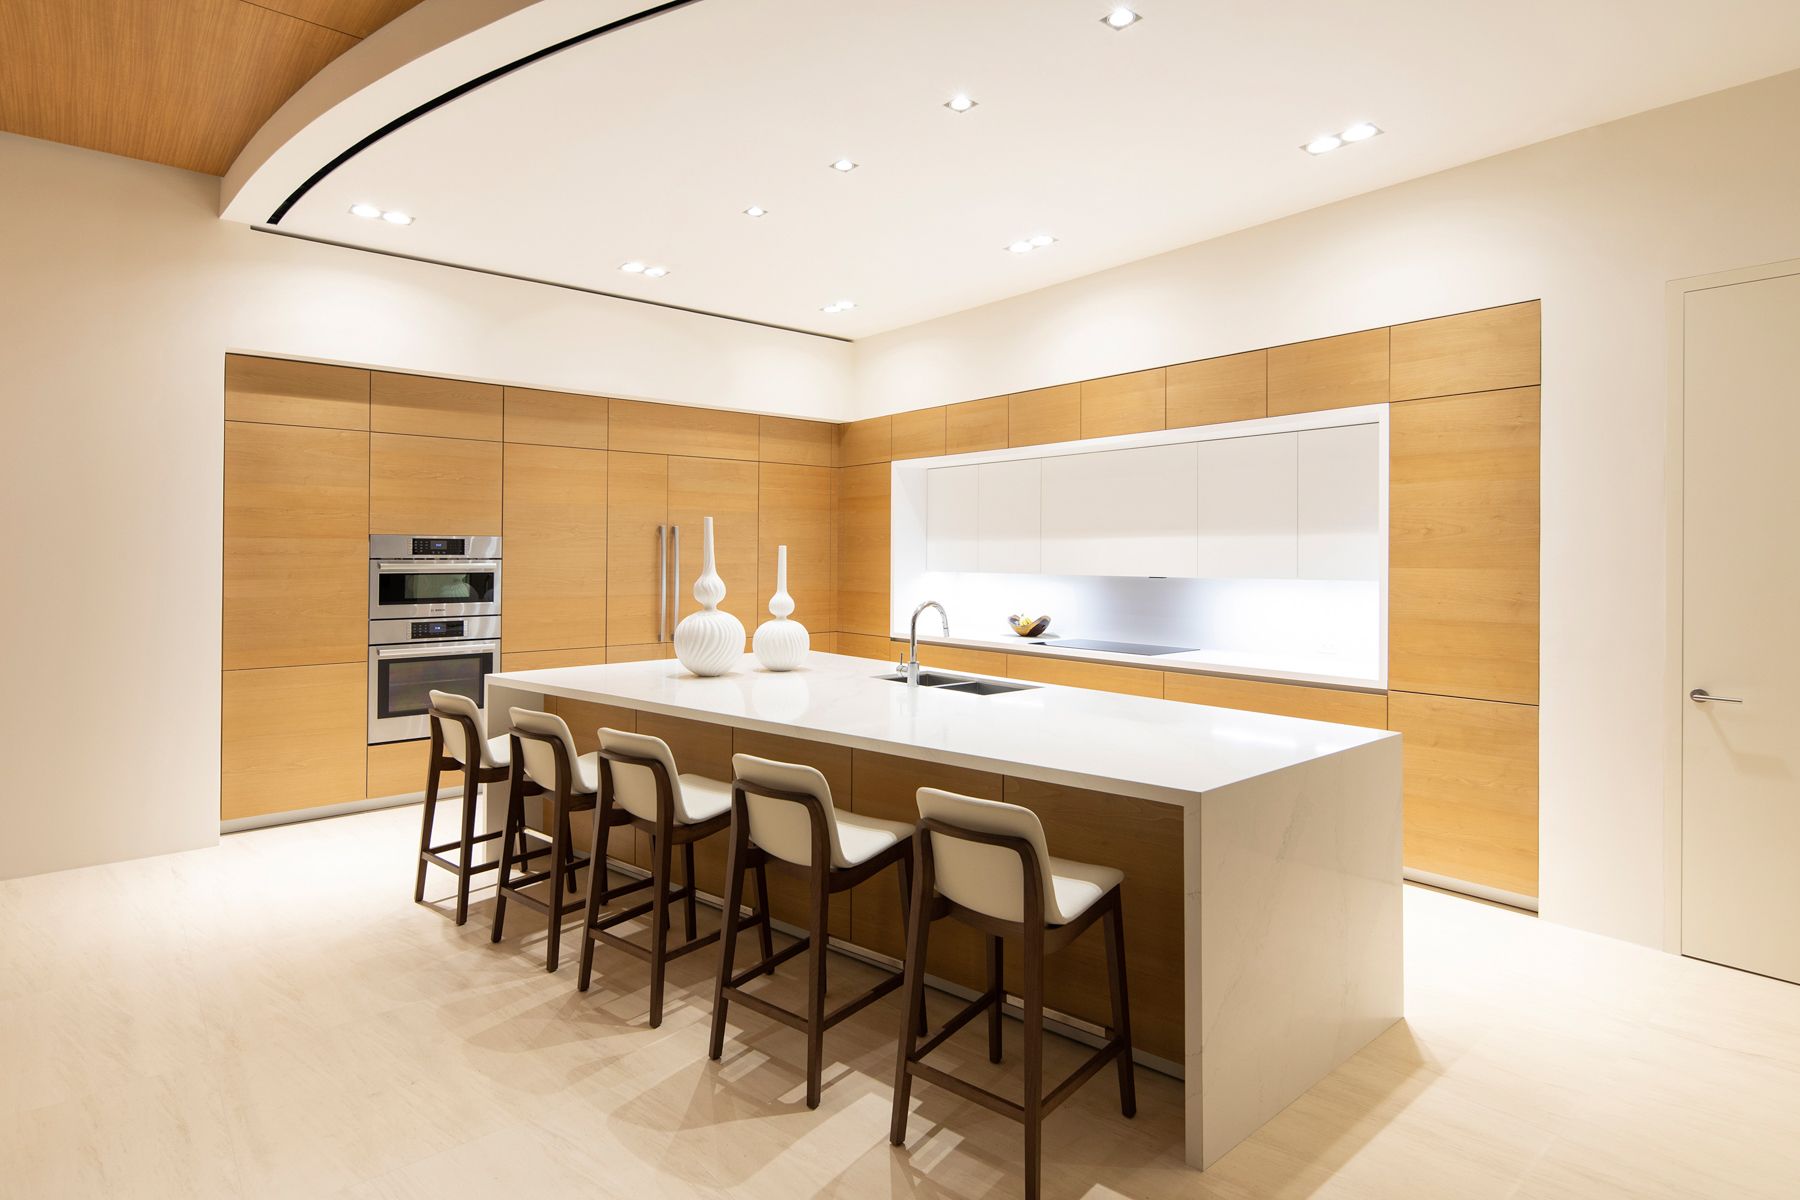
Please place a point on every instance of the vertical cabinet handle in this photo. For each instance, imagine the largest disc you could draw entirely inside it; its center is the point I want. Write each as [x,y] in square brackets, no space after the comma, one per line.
[675,580]
[662,583]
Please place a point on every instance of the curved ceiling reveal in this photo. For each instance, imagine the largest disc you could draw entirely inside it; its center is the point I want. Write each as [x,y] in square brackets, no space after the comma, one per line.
[647,142]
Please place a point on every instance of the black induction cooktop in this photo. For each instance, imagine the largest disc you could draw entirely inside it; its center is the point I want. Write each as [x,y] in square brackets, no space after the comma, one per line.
[1115,647]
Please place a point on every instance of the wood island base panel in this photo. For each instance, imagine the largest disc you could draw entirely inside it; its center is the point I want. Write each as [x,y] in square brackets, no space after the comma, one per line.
[1262,892]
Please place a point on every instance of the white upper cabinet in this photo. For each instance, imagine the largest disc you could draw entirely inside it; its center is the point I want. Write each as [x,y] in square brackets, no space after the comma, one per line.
[1248,512]
[951,520]
[1011,510]
[1340,503]
[1121,512]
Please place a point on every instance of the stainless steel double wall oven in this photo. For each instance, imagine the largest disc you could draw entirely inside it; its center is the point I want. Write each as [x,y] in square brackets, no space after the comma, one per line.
[434,624]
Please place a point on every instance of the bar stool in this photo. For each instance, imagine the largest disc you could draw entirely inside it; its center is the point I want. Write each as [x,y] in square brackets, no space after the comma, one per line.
[986,864]
[640,788]
[782,813]
[457,725]
[545,763]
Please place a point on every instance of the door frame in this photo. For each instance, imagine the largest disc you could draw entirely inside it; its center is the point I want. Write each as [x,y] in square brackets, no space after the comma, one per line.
[1676,293]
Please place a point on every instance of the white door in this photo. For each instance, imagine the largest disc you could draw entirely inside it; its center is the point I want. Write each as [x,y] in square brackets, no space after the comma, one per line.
[1122,512]
[1011,508]
[1248,496]
[1740,884]
[1340,503]
[950,519]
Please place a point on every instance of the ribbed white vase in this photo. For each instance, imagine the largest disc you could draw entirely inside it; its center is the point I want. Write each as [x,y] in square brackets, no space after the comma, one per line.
[781,644]
[710,641]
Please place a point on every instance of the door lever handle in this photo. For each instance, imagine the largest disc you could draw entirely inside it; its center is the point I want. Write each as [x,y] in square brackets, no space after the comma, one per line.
[1702,696]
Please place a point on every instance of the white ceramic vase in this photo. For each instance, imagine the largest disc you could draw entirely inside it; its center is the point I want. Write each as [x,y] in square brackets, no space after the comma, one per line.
[781,644]
[709,642]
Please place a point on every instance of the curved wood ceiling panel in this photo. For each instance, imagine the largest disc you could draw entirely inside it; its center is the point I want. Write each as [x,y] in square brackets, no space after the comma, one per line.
[181,82]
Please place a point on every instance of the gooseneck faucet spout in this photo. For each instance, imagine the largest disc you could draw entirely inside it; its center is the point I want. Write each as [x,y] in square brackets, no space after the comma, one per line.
[910,665]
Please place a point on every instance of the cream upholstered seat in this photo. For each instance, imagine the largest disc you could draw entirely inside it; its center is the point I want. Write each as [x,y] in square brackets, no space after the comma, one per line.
[784,829]
[990,879]
[697,798]
[495,751]
[540,760]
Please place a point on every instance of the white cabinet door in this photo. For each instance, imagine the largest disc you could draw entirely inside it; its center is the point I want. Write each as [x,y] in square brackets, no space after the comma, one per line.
[1011,508]
[951,519]
[1121,512]
[1340,504]
[1249,506]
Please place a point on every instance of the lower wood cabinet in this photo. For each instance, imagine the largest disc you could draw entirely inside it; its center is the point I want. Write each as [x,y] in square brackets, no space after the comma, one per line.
[293,738]
[1102,677]
[1337,705]
[539,660]
[399,769]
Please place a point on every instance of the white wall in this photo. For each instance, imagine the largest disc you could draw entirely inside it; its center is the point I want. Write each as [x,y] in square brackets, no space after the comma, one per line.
[120,293]
[1594,224]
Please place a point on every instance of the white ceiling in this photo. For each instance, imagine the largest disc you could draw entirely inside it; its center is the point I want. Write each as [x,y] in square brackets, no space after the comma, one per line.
[647,143]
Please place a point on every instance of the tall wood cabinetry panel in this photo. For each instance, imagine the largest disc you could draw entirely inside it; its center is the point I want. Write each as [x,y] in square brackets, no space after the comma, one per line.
[554,522]
[296,546]
[430,407]
[292,738]
[1463,546]
[726,491]
[1121,512]
[864,536]
[1247,513]
[795,509]
[279,392]
[637,506]
[433,485]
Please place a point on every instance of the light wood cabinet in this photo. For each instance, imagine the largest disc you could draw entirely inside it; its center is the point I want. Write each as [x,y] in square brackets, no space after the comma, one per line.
[296,547]
[1486,351]
[1009,517]
[1123,403]
[1216,390]
[1100,677]
[1046,415]
[795,509]
[863,442]
[802,443]
[864,535]
[643,428]
[400,768]
[554,524]
[1339,706]
[975,425]
[1121,512]
[919,433]
[433,485]
[950,658]
[726,492]
[865,645]
[1340,502]
[292,738]
[430,407]
[952,519]
[1247,513]
[637,504]
[280,392]
[1333,372]
[541,660]
[555,418]
[1463,546]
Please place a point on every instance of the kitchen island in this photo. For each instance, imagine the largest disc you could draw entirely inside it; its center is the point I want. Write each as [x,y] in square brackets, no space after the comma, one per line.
[1261,853]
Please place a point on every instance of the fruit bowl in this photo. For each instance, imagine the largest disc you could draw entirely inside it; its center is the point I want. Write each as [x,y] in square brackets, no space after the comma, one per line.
[1028,626]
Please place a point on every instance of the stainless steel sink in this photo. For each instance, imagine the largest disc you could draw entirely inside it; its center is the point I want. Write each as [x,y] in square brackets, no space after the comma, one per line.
[961,683]
[928,678]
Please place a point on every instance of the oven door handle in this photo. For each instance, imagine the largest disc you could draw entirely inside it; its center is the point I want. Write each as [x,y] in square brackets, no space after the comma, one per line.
[466,567]
[435,650]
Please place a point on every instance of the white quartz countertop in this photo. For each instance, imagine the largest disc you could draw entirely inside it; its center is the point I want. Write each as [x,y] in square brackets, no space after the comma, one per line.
[1158,750]
[1328,670]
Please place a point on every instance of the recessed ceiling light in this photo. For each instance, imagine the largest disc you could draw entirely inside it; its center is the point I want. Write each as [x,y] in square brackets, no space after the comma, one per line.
[838,306]
[1362,131]
[632,268]
[396,218]
[1021,247]
[1323,144]
[367,212]
[655,272]
[844,165]
[756,210]
[1027,245]
[1041,240]
[1121,17]
[959,103]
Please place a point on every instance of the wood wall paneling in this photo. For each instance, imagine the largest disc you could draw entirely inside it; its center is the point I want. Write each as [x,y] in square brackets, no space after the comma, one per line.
[1336,705]
[1471,779]
[726,492]
[863,442]
[795,508]
[554,518]
[292,738]
[555,418]
[280,392]
[1485,351]
[637,502]
[1118,404]
[1463,546]
[1216,390]
[432,407]
[358,18]
[296,546]
[919,433]
[802,443]
[1333,372]
[645,428]
[543,660]
[399,769]
[1104,677]
[433,485]
[863,536]
[1051,414]
[975,425]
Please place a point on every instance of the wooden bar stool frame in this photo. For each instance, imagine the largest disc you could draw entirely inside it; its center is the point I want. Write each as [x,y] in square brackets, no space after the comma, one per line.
[1039,941]
[473,774]
[666,834]
[824,881]
[564,860]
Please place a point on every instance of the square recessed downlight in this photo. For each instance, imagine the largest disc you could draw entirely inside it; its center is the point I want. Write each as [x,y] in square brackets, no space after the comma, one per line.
[1323,144]
[396,218]
[655,272]
[1362,131]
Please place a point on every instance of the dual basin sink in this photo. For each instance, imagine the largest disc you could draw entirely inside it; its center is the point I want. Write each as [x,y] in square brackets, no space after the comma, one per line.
[961,683]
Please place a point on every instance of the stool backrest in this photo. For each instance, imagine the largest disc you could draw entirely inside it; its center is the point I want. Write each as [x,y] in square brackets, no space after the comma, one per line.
[537,755]
[785,827]
[982,876]
[634,786]
[445,708]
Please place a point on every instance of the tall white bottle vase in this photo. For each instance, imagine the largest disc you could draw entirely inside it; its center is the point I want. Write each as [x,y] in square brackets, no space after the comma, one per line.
[709,642]
[781,644]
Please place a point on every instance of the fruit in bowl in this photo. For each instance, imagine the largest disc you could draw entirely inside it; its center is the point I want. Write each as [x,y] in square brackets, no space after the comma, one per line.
[1026,626]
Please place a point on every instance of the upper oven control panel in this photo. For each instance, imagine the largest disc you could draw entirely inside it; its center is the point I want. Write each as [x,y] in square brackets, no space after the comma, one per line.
[445,547]
[402,547]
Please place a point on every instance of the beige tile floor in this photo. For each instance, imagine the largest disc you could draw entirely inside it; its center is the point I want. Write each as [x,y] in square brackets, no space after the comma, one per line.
[273,1017]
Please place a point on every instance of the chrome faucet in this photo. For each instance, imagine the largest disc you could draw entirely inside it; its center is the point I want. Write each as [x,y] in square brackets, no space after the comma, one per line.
[909,666]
